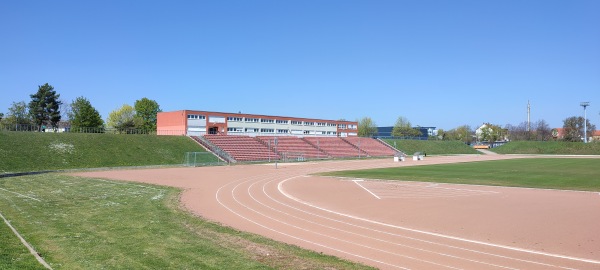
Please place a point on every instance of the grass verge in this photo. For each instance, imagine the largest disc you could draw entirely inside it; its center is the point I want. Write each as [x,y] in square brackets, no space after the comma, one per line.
[37,151]
[81,223]
[549,148]
[409,147]
[552,173]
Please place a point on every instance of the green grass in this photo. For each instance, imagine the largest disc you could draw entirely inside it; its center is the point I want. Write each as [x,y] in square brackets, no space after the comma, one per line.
[409,147]
[549,148]
[35,151]
[551,173]
[81,223]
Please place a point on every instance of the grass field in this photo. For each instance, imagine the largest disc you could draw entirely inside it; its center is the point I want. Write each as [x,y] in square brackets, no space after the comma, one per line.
[549,148]
[81,223]
[552,173]
[35,151]
[409,147]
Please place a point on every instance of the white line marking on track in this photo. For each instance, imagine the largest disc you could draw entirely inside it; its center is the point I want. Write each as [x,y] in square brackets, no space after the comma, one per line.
[437,234]
[21,195]
[298,238]
[27,245]
[388,233]
[374,195]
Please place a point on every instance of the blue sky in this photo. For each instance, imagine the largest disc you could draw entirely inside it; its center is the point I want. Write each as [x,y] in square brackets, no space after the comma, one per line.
[437,63]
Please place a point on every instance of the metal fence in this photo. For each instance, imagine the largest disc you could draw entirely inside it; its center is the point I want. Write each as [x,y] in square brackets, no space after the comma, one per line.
[38,128]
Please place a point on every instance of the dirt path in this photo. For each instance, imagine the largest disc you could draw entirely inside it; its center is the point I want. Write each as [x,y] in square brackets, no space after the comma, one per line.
[393,225]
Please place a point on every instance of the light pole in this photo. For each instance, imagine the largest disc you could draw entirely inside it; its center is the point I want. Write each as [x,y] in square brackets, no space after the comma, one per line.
[584,105]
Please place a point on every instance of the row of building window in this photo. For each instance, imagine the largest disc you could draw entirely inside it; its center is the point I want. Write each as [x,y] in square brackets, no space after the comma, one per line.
[278,131]
[277,121]
[196,117]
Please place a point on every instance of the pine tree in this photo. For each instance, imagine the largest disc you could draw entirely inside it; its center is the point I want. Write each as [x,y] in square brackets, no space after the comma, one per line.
[45,106]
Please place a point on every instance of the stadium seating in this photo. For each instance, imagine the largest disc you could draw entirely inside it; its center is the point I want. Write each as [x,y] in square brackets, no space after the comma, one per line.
[335,146]
[372,147]
[293,146]
[243,148]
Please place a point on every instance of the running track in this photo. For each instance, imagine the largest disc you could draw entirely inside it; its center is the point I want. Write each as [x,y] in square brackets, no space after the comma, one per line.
[393,225]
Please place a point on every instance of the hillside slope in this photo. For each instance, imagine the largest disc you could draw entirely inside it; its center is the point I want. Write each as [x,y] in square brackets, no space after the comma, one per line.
[34,151]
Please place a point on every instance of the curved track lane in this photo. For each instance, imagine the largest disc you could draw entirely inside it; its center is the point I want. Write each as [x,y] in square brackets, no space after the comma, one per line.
[393,225]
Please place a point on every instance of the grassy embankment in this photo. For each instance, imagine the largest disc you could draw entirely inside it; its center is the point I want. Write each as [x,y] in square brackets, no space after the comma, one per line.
[81,223]
[34,151]
[409,147]
[553,173]
[549,148]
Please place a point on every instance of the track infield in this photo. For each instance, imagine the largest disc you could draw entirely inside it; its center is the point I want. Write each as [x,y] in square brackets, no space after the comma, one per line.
[393,225]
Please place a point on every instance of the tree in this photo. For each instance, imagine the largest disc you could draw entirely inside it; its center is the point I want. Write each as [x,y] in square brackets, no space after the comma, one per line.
[45,106]
[122,118]
[402,128]
[462,133]
[83,115]
[17,116]
[1,116]
[543,132]
[573,129]
[366,127]
[146,110]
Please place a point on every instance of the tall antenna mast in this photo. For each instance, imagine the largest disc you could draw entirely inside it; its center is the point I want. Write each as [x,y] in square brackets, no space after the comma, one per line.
[528,116]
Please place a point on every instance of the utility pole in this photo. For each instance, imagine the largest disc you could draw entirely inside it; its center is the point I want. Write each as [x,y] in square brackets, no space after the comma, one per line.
[528,116]
[584,105]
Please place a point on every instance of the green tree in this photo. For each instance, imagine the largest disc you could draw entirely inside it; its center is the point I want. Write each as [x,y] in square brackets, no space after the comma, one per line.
[83,115]
[122,119]
[462,133]
[573,129]
[367,127]
[403,128]
[17,117]
[145,112]
[45,106]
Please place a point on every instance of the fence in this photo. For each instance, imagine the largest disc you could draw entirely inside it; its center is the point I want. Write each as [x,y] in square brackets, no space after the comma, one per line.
[60,129]
[195,159]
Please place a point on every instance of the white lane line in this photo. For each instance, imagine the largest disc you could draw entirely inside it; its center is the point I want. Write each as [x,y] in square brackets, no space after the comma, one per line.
[27,245]
[322,234]
[382,240]
[413,238]
[374,195]
[439,234]
[21,195]
[298,238]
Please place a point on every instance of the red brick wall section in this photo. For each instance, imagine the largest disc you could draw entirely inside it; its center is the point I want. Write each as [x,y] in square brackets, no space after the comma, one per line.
[171,123]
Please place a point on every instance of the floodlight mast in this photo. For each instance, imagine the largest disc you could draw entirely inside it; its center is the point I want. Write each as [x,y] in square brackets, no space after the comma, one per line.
[584,105]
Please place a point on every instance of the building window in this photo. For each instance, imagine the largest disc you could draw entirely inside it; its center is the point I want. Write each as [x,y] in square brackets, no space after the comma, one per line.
[319,124]
[251,120]
[267,130]
[281,121]
[282,131]
[196,117]
[309,123]
[235,129]
[342,126]
[296,122]
[234,119]
[306,132]
[268,121]
[252,130]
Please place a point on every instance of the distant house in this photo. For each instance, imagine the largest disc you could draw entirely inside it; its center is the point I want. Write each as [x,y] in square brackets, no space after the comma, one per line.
[559,134]
[487,128]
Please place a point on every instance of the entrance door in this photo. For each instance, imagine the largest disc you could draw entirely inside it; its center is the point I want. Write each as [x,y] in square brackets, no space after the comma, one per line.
[213,130]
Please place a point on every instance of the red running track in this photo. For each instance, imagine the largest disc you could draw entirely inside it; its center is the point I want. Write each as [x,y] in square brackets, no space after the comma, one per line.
[391,224]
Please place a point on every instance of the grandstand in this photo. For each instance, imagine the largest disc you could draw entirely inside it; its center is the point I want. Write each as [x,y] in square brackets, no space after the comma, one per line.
[236,137]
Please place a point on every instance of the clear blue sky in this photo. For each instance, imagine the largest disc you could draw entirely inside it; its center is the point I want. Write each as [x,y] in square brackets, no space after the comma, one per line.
[437,63]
